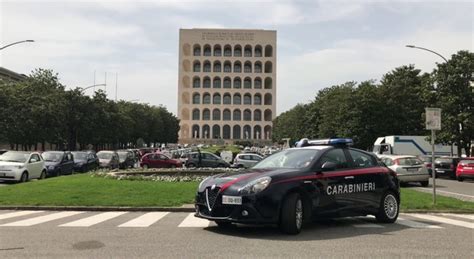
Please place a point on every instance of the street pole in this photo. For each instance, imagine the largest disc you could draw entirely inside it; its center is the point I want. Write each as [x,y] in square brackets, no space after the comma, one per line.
[433,173]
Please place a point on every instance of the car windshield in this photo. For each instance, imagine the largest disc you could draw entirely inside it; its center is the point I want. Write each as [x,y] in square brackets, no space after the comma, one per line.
[290,158]
[52,156]
[104,155]
[122,155]
[410,161]
[12,156]
[79,156]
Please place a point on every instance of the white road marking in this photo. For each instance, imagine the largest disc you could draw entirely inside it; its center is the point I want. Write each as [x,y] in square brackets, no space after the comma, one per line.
[18,214]
[464,216]
[363,224]
[145,220]
[444,220]
[92,220]
[414,224]
[41,219]
[192,222]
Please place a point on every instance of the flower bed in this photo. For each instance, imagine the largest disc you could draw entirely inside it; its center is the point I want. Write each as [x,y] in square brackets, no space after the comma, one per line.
[163,174]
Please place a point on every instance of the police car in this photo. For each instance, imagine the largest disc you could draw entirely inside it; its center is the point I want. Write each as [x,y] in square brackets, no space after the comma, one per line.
[317,179]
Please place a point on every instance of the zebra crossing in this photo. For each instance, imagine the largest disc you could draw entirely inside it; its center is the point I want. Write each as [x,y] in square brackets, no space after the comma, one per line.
[81,219]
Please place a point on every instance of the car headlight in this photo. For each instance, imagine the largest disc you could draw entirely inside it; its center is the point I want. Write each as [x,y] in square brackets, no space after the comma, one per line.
[20,166]
[256,186]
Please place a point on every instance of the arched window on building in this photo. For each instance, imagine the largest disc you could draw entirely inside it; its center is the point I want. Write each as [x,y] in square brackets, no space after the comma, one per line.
[226,115]
[248,67]
[236,132]
[258,67]
[268,115]
[237,67]
[216,132]
[217,67]
[217,50]
[247,99]
[247,83]
[268,83]
[237,116]
[237,51]
[207,50]
[197,66]
[216,115]
[206,131]
[216,98]
[226,132]
[268,99]
[206,83]
[227,67]
[247,115]
[268,67]
[196,98]
[195,131]
[196,82]
[227,51]
[227,82]
[257,115]
[196,115]
[257,132]
[258,51]
[257,99]
[227,99]
[237,99]
[237,83]
[206,114]
[217,82]
[268,51]
[197,50]
[248,51]
[207,66]
[257,83]
[206,98]
[247,132]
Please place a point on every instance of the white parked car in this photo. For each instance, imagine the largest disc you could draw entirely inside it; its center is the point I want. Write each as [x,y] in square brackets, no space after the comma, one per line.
[21,166]
[408,168]
[246,160]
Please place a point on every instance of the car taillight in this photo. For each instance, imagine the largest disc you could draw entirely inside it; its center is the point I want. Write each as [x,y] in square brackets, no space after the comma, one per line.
[396,162]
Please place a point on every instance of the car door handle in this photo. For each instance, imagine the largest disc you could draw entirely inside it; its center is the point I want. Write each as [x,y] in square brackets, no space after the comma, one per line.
[349,177]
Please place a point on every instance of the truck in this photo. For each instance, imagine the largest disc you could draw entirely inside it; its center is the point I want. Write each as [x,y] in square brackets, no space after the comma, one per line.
[410,145]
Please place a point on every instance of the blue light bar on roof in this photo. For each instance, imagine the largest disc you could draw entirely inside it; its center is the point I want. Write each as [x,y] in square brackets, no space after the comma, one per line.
[334,141]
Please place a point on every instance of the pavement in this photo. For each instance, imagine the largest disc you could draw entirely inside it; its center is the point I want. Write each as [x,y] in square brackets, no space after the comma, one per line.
[120,234]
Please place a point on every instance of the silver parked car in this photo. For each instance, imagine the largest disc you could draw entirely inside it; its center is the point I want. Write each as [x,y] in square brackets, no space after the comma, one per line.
[246,160]
[408,168]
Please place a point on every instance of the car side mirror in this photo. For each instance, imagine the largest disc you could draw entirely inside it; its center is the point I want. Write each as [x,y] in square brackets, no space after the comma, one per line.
[328,166]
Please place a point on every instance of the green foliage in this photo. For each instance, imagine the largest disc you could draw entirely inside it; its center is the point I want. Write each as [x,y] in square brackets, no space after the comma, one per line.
[395,106]
[40,110]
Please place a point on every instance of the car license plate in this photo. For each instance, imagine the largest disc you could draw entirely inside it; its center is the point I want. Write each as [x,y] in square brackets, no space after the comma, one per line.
[468,168]
[232,200]
[412,169]
[440,171]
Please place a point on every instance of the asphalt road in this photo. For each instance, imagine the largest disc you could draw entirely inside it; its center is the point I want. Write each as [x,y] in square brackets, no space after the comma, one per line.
[178,235]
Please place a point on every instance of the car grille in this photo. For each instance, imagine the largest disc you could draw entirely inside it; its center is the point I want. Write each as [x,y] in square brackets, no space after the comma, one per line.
[211,197]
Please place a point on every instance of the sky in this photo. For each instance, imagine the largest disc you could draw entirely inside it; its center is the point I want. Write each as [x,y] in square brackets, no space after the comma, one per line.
[319,43]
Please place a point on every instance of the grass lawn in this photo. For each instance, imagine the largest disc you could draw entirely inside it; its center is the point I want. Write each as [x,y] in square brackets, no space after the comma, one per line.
[84,190]
[415,200]
[218,149]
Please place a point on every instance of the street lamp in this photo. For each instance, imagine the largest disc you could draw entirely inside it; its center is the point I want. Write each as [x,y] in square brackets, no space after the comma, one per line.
[14,43]
[433,173]
[83,89]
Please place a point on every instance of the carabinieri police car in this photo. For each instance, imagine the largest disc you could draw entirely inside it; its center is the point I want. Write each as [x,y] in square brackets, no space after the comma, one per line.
[317,179]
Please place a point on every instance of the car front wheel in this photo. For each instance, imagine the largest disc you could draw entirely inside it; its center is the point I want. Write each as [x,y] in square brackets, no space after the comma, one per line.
[291,218]
[145,166]
[424,183]
[24,177]
[43,175]
[389,208]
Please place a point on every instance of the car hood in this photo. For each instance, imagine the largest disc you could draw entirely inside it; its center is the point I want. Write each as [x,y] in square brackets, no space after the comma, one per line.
[10,164]
[104,161]
[49,163]
[235,180]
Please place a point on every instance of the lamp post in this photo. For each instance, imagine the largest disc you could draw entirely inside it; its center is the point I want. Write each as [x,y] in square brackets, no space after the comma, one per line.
[433,136]
[14,43]
[85,88]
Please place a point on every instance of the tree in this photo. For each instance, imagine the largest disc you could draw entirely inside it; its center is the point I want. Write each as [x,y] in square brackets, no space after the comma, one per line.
[455,97]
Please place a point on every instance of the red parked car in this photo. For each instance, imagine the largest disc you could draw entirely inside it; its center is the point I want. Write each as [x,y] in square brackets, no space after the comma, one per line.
[157,160]
[465,169]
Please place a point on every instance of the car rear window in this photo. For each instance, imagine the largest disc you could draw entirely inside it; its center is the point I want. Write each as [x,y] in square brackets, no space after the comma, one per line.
[444,160]
[410,161]
[466,161]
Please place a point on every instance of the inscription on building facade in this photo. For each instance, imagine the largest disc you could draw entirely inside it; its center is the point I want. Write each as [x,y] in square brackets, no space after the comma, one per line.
[228,36]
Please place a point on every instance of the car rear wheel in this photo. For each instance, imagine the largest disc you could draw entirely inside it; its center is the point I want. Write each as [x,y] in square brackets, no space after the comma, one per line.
[389,208]
[43,175]
[24,177]
[145,166]
[460,179]
[173,166]
[424,183]
[291,218]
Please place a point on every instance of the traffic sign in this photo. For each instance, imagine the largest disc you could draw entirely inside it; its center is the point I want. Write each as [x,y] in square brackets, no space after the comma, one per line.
[433,118]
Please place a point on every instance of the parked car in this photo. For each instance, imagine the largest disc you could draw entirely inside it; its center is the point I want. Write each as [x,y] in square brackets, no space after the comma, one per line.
[21,166]
[446,166]
[408,168]
[144,151]
[158,160]
[126,159]
[108,159]
[58,162]
[426,161]
[205,159]
[2,151]
[246,160]
[85,161]
[465,169]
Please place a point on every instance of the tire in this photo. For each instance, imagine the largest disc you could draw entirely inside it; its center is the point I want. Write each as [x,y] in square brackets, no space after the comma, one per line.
[460,179]
[292,214]
[23,178]
[191,165]
[172,166]
[224,224]
[389,208]
[43,175]
[424,183]
[145,166]
[220,165]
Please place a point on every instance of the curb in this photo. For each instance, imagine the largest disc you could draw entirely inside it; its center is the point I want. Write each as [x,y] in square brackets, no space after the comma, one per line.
[85,208]
[185,208]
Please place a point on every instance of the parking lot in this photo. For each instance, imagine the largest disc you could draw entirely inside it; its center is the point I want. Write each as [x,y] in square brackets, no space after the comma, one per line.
[162,234]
